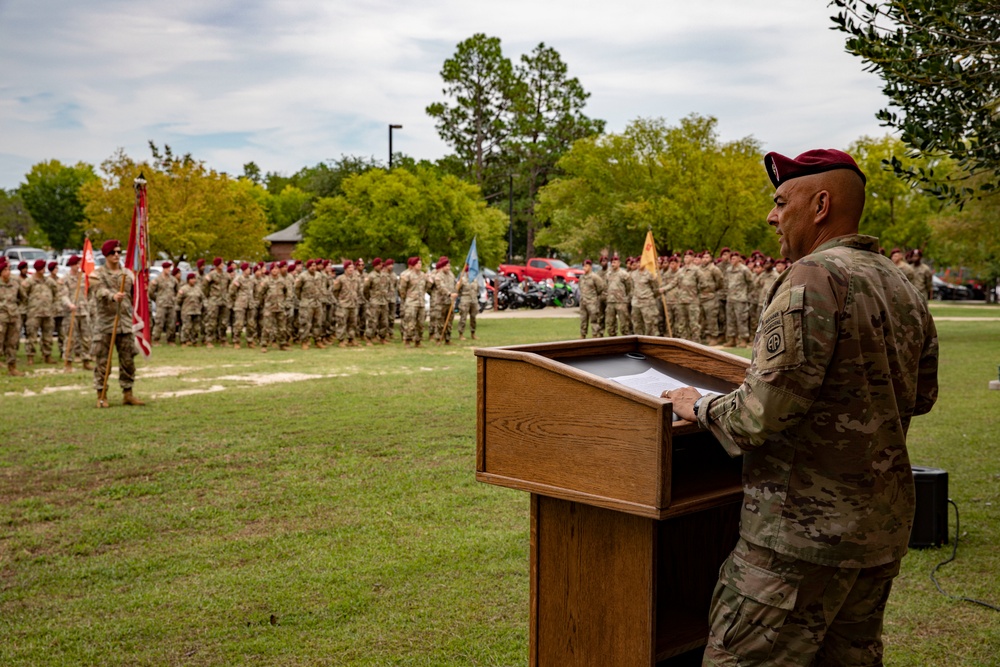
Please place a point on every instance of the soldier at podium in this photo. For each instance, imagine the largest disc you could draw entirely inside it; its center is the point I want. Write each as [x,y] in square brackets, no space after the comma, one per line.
[844,355]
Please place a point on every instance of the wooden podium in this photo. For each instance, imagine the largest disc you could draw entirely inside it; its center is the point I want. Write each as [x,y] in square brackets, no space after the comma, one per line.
[632,513]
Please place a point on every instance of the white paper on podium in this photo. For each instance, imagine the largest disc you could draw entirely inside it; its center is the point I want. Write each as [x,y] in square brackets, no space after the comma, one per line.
[653,382]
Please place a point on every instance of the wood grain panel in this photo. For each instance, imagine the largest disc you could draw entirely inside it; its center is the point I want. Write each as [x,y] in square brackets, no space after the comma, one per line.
[557,431]
[595,586]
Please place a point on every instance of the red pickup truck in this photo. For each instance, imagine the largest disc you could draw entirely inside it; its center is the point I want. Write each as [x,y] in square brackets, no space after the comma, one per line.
[541,268]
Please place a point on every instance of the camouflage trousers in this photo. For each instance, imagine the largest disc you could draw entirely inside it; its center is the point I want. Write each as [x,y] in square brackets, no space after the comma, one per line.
[690,318]
[755,310]
[101,350]
[10,336]
[770,609]
[32,325]
[191,328]
[310,322]
[272,327]
[378,321]
[244,318]
[440,324]
[645,319]
[710,316]
[467,309]
[210,321]
[616,319]
[413,322]
[60,331]
[347,325]
[166,322]
[80,343]
[737,320]
[590,314]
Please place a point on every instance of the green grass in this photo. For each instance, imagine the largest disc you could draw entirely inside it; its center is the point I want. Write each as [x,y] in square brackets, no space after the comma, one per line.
[958,309]
[336,520]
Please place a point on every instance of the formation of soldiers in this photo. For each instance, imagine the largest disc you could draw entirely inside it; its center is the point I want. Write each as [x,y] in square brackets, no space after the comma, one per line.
[315,302]
[713,301]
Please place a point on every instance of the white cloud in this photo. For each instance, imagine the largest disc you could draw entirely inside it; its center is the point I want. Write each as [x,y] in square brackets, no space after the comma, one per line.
[289,84]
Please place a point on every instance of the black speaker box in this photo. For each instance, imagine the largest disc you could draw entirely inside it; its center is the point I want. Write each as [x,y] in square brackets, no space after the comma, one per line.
[930,521]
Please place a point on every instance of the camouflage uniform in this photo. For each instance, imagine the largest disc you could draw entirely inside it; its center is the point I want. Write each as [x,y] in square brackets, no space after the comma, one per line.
[290,325]
[441,285]
[272,306]
[845,355]
[393,301]
[412,287]
[617,293]
[591,288]
[42,296]
[163,292]
[712,282]
[924,280]
[468,305]
[347,291]
[764,281]
[215,286]
[376,292]
[241,294]
[11,297]
[191,302]
[738,283]
[688,285]
[678,318]
[309,288]
[104,284]
[73,292]
[645,314]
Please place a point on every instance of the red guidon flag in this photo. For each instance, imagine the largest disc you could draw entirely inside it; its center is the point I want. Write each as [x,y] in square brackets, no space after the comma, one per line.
[87,265]
[137,261]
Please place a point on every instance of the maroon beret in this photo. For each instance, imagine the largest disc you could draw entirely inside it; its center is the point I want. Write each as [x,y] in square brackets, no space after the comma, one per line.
[894,251]
[200,263]
[217,261]
[244,266]
[39,265]
[412,261]
[191,276]
[588,261]
[725,248]
[377,261]
[166,265]
[3,263]
[176,271]
[230,269]
[282,264]
[109,246]
[53,265]
[389,262]
[688,252]
[73,260]
[22,265]
[781,169]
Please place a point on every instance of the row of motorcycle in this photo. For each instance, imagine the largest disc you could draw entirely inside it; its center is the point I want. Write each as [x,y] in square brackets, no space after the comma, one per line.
[530,294]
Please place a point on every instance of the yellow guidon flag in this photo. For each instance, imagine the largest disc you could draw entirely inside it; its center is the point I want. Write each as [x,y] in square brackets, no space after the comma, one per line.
[648,262]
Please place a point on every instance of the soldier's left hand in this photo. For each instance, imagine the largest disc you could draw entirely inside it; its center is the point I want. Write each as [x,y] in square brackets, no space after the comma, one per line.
[683,400]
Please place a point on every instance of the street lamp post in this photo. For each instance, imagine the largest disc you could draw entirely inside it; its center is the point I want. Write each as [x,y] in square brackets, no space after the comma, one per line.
[391,128]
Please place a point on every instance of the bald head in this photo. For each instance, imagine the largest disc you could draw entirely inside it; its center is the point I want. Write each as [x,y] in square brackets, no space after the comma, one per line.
[813,209]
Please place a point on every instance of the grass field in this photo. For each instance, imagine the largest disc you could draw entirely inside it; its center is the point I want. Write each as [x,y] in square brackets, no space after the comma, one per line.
[319,508]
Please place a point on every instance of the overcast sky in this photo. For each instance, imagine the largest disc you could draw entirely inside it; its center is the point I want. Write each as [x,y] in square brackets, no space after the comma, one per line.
[292,83]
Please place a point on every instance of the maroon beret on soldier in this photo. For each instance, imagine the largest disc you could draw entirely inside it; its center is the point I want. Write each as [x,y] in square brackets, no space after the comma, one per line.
[53,265]
[73,260]
[377,261]
[3,263]
[412,261]
[389,262]
[244,266]
[166,265]
[200,263]
[192,276]
[22,265]
[39,265]
[176,271]
[109,246]
[781,168]
[282,264]
[588,261]
[217,261]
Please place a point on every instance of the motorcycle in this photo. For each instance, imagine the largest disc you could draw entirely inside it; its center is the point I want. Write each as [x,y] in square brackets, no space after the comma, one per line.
[539,295]
[510,295]
[564,294]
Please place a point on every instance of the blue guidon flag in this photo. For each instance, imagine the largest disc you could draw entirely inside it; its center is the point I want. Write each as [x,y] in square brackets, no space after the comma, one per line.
[137,261]
[472,262]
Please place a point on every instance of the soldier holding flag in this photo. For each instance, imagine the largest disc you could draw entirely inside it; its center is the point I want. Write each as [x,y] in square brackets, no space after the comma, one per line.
[112,285]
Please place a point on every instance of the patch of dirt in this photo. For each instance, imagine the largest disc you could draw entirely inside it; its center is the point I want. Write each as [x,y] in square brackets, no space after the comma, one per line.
[189,392]
[164,371]
[260,379]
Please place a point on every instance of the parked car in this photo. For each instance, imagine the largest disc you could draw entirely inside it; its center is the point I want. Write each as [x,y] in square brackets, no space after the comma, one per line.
[23,253]
[945,291]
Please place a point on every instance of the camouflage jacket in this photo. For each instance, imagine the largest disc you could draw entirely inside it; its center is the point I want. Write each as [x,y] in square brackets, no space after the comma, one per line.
[215,287]
[441,285]
[274,295]
[309,288]
[412,287]
[347,291]
[617,286]
[643,287]
[845,354]
[591,288]
[43,296]
[190,300]
[11,297]
[924,280]
[163,290]
[688,286]
[242,291]
[766,279]
[711,283]
[68,291]
[104,284]
[376,288]
[739,280]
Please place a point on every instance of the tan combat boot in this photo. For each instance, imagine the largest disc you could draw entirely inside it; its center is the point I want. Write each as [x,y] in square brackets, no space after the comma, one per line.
[49,359]
[342,343]
[236,346]
[730,342]
[209,344]
[12,370]
[263,348]
[320,345]
[102,402]
[305,346]
[87,366]
[474,337]
[31,360]
[461,336]
[129,399]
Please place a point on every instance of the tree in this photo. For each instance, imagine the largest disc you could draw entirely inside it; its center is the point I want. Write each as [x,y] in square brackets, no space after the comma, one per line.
[692,190]
[193,211]
[895,211]
[548,119]
[403,213]
[15,220]
[51,194]
[482,82]
[939,62]
[969,239]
